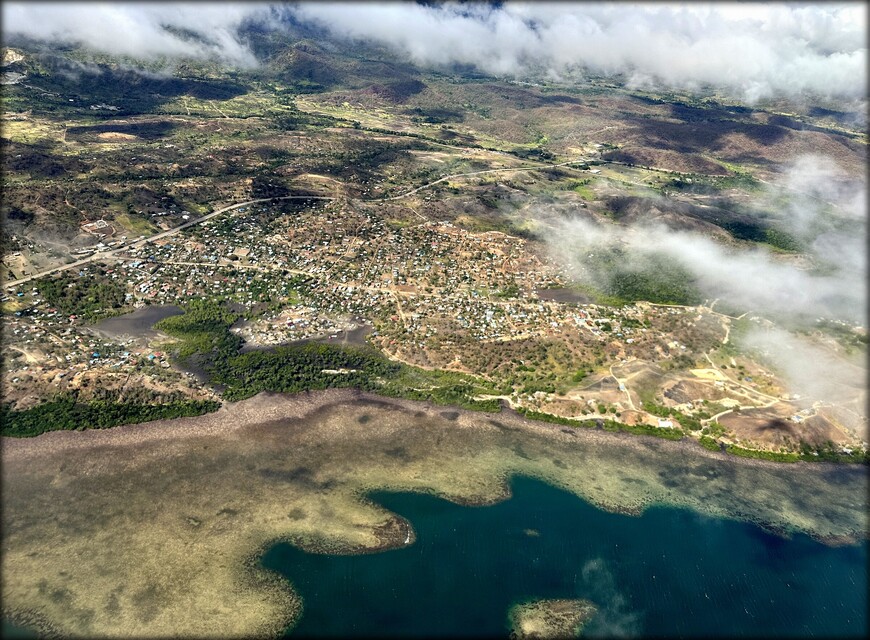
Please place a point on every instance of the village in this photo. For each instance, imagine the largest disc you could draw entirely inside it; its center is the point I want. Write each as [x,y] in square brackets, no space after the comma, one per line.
[302,276]
[429,294]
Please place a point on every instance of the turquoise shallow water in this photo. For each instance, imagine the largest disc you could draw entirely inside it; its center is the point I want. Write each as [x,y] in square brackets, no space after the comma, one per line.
[670,572]
[10,630]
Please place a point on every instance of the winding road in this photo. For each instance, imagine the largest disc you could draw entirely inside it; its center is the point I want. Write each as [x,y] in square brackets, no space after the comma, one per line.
[104,255]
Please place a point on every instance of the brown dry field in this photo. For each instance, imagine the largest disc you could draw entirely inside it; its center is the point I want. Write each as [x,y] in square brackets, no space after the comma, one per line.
[109,135]
[668,136]
[156,529]
[773,426]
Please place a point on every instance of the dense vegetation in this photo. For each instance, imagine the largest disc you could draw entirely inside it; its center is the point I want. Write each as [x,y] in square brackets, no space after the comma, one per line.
[709,443]
[92,296]
[435,115]
[826,452]
[687,422]
[654,278]
[302,367]
[204,329]
[540,416]
[67,414]
[755,232]
[291,119]
[706,184]
[206,338]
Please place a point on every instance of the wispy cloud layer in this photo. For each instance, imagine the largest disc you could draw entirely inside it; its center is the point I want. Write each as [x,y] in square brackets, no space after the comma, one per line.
[614,618]
[146,30]
[818,204]
[757,50]
[754,50]
[810,370]
[822,208]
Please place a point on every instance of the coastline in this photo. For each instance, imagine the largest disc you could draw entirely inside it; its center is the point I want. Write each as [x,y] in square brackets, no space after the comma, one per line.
[216,490]
[267,406]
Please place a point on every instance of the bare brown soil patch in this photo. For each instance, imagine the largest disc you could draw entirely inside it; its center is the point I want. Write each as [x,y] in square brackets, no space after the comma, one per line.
[776,427]
[113,136]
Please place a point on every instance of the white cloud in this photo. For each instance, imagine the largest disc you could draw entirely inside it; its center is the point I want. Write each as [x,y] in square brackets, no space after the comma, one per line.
[139,30]
[757,50]
[749,278]
[810,370]
[818,182]
[753,49]
[826,211]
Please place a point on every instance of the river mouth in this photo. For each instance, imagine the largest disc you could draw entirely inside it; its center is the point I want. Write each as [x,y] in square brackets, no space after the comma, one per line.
[563,294]
[85,511]
[136,324]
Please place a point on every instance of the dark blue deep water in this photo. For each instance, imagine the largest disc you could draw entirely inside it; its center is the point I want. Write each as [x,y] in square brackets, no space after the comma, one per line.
[670,572]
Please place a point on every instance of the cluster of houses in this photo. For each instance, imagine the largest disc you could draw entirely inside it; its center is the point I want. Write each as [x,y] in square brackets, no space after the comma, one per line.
[304,274]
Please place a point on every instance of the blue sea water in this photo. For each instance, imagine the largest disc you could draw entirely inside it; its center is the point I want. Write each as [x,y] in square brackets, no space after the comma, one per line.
[669,572]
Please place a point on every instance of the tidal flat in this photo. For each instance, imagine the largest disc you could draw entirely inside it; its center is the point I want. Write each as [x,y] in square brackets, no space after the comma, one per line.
[549,618]
[158,529]
[136,324]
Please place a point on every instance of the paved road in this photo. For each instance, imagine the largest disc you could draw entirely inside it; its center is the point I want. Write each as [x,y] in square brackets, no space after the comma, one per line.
[104,255]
